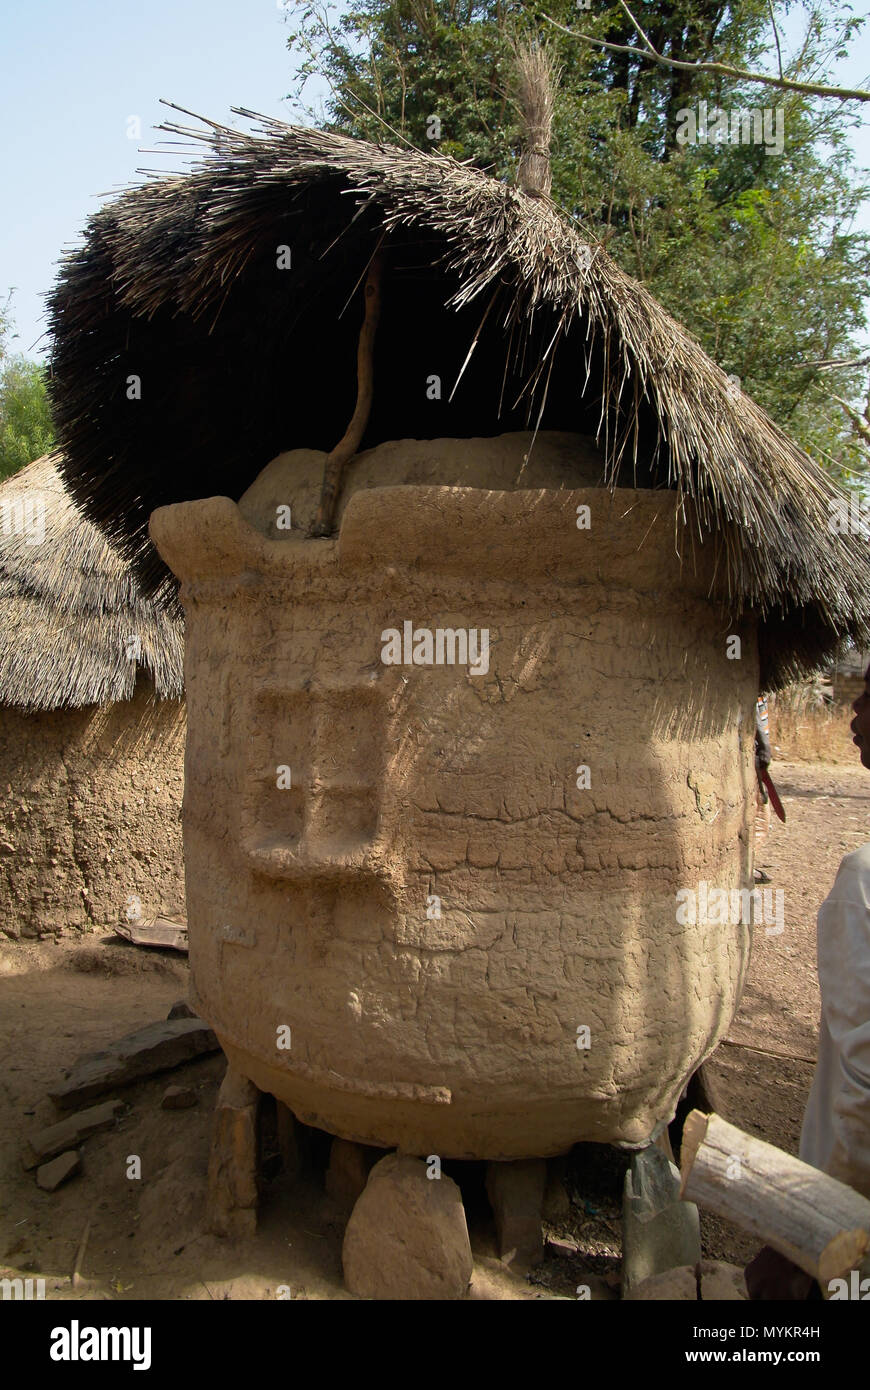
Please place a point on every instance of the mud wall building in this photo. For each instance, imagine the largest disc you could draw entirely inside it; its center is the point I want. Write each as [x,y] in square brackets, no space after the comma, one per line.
[92,723]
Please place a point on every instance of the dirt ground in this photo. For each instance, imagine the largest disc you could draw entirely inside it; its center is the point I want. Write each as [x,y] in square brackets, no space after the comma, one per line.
[59,999]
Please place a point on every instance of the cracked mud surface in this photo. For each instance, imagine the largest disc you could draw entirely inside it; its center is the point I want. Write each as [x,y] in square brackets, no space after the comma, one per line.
[58,1000]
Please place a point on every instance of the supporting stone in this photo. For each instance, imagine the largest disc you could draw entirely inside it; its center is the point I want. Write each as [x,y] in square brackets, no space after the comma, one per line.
[348,1171]
[516,1195]
[291,1141]
[231,1203]
[407,1237]
[659,1232]
[178,1098]
[557,1203]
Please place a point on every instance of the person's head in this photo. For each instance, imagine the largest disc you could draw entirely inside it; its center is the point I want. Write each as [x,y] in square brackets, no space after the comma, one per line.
[860,725]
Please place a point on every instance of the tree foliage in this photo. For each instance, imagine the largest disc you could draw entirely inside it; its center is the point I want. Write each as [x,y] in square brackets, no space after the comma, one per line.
[755,251]
[26,429]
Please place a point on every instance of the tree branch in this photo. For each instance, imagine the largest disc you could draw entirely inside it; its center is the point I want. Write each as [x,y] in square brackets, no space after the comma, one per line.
[776,38]
[828,364]
[646,50]
[860,425]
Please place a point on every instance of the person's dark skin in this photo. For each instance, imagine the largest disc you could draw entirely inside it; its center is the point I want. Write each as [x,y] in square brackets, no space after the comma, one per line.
[860,725]
[770,1276]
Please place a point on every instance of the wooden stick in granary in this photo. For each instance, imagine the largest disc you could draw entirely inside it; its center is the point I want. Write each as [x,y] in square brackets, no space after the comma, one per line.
[347,446]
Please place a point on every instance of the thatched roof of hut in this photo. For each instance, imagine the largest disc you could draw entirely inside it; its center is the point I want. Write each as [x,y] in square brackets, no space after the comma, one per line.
[178,284]
[70,608]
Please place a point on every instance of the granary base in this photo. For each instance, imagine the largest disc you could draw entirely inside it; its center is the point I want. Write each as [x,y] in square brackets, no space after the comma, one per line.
[451,1126]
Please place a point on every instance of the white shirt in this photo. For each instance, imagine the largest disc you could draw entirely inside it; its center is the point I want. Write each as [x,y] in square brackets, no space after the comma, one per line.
[836,1129]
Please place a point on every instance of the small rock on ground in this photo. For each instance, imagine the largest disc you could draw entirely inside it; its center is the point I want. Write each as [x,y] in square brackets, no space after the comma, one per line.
[178,1098]
[180,1009]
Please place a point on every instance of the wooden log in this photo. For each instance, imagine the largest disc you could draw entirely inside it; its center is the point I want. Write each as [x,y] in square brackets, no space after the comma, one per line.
[818,1223]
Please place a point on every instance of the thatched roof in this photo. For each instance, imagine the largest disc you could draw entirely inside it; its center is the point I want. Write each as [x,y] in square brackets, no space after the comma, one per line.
[178,284]
[70,608]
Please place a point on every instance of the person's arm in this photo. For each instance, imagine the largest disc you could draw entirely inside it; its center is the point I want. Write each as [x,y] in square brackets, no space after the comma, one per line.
[844,980]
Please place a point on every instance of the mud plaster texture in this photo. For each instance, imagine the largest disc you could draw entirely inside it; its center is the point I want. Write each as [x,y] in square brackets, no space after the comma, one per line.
[90,814]
[458,1035]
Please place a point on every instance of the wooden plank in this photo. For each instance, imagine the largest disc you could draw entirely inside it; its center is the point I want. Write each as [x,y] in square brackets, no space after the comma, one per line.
[166,933]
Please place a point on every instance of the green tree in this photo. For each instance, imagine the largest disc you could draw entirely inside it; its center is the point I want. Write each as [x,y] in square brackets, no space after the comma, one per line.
[755,250]
[26,429]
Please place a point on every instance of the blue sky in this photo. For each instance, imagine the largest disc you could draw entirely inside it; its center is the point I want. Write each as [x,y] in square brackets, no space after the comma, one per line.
[75,71]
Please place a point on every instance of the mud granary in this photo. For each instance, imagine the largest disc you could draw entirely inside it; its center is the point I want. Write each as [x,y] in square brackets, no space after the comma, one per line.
[92,724]
[432,906]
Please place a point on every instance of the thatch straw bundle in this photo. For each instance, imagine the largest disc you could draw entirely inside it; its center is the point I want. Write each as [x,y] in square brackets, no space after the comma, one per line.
[177,283]
[75,628]
[535,83]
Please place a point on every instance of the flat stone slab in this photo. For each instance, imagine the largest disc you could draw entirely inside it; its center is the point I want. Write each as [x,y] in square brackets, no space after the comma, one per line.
[155,1048]
[50,1176]
[42,1145]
